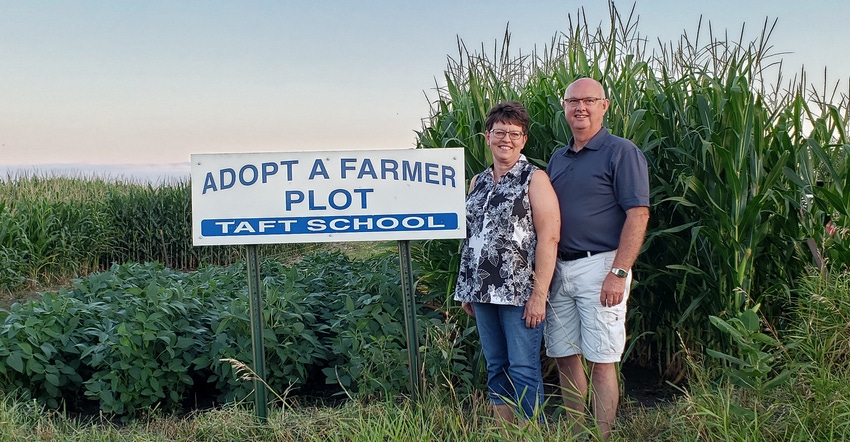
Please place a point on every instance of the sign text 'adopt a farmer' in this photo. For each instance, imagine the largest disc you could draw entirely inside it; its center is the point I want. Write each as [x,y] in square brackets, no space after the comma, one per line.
[294,197]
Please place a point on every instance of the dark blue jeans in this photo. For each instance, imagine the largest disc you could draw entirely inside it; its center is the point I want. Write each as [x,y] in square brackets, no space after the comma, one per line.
[512,351]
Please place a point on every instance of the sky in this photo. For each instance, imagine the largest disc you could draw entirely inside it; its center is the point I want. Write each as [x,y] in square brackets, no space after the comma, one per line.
[136,87]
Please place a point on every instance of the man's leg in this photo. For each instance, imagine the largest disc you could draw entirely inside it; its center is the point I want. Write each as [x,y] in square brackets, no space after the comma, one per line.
[603,337]
[605,396]
[573,382]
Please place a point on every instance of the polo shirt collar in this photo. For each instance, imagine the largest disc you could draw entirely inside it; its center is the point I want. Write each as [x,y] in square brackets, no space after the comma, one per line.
[595,143]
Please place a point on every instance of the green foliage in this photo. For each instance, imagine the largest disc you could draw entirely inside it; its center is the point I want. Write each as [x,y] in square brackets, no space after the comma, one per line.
[142,354]
[750,399]
[123,338]
[757,361]
[39,349]
[368,319]
[814,407]
[141,336]
[820,335]
[12,259]
[731,157]
[456,340]
[364,326]
[55,228]
[290,334]
[40,239]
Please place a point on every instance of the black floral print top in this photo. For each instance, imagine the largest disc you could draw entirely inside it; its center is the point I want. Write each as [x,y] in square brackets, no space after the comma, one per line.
[497,261]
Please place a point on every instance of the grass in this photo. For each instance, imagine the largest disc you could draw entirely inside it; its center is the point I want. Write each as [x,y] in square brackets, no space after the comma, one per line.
[700,415]
[435,418]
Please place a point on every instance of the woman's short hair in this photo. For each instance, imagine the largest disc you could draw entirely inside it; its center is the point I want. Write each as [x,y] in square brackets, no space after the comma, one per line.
[508,112]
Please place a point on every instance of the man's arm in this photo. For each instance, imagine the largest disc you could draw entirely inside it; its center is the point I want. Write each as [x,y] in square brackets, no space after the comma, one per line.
[631,240]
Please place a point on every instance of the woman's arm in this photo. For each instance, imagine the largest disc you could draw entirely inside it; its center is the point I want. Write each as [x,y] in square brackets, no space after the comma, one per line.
[546,216]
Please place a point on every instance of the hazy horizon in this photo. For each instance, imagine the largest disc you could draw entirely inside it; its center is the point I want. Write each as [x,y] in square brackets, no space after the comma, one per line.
[148,173]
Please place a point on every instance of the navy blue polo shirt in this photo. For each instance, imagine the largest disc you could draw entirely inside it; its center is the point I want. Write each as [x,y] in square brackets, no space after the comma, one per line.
[595,187]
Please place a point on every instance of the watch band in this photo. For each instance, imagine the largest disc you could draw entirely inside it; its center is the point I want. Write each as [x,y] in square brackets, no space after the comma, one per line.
[620,273]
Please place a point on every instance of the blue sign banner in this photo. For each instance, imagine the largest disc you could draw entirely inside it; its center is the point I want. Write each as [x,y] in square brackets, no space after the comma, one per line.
[329,224]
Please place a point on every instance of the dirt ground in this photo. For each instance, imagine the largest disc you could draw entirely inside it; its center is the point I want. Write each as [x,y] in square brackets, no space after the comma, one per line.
[646,386]
[7,299]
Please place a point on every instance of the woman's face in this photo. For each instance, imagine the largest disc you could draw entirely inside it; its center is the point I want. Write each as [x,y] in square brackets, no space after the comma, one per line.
[506,150]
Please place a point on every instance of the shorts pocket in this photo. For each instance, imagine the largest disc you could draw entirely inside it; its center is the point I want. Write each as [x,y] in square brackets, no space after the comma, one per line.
[613,336]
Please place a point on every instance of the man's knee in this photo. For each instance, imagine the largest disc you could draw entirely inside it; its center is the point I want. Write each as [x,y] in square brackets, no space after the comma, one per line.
[602,368]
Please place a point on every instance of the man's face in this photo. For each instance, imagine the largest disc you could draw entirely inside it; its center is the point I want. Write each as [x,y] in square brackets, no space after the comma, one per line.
[583,117]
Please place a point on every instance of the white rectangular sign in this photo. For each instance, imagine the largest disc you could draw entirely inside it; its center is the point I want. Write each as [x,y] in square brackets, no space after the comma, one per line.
[355,195]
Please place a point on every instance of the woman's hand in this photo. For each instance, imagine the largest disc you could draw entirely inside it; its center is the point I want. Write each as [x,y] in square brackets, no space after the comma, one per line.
[467,307]
[535,311]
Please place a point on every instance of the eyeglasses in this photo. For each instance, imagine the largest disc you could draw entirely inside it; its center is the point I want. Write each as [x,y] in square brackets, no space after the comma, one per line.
[499,134]
[589,101]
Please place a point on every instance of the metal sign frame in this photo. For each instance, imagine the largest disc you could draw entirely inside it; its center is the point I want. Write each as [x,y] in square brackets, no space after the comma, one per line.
[291,197]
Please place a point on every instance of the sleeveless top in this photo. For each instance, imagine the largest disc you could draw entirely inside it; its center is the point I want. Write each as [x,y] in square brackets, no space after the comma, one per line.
[497,259]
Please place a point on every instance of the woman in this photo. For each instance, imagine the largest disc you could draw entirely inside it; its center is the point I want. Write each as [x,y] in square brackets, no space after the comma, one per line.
[507,262]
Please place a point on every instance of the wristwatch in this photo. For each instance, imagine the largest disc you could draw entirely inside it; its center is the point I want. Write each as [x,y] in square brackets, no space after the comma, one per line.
[620,273]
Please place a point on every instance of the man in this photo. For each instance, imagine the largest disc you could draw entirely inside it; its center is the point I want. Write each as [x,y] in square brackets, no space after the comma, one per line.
[602,183]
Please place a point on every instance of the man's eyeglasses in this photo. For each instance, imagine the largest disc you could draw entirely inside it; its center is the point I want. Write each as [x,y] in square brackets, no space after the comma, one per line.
[589,101]
[514,134]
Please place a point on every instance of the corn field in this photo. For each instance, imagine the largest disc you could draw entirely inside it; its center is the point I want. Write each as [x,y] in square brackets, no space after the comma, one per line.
[53,228]
[746,167]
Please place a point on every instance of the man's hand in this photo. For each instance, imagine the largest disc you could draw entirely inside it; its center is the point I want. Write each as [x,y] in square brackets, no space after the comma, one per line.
[613,289]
